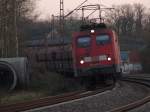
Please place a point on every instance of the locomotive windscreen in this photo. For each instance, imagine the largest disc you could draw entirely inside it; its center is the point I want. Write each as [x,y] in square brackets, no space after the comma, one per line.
[84,41]
[102,39]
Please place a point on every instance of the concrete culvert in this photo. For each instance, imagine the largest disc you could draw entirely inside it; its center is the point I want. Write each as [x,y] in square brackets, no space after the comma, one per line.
[8,76]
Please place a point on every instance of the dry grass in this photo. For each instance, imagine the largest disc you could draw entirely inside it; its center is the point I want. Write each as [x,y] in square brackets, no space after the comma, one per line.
[19,96]
[42,84]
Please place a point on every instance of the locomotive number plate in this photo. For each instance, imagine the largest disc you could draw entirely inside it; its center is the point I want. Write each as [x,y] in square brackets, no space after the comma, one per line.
[95,58]
[102,57]
[87,59]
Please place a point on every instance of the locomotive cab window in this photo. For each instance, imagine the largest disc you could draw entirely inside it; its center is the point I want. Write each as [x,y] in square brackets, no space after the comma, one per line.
[84,41]
[102,39]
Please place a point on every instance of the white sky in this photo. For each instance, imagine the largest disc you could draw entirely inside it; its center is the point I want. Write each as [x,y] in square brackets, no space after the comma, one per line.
[48,7]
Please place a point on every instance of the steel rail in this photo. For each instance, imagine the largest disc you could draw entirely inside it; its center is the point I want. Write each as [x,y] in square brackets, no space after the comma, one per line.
[142,81]
[48,101]
[138,103]
[132,105]
[19,106]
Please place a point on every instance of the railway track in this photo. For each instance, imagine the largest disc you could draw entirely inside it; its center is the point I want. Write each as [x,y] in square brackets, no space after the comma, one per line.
[47,101]
[139,80]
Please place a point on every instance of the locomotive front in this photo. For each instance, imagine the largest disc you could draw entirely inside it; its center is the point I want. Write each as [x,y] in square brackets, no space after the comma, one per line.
[95,52]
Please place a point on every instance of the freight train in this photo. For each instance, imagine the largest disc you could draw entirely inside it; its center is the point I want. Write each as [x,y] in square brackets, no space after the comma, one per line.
[93,54]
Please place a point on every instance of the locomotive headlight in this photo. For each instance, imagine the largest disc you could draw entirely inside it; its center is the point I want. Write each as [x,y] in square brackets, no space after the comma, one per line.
[82,62]
[92,31]
[109,58]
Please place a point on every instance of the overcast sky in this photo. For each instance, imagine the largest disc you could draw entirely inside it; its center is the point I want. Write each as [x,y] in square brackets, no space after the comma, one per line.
[48,7]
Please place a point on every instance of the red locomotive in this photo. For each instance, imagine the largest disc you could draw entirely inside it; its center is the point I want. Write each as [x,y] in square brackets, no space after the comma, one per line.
[96,51]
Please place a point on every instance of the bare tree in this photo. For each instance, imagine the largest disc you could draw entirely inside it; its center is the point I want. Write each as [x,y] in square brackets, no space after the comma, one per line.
[10,13]
[146,27]
[122,18]
[139,10]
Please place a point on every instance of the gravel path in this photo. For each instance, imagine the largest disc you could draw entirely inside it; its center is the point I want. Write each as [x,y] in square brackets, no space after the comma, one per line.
[121,95]
[144,108]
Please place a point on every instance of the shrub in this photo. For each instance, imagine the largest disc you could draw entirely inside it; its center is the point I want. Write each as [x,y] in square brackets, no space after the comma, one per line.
[52,83]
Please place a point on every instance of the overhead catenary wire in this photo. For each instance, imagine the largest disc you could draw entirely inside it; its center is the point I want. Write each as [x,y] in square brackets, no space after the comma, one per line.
[75,9]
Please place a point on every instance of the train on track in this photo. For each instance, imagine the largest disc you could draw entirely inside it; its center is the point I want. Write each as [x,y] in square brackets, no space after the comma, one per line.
[96,51]
[93,54]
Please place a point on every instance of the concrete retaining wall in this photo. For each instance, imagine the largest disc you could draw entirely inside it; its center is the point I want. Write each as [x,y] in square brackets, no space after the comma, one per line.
[19,67]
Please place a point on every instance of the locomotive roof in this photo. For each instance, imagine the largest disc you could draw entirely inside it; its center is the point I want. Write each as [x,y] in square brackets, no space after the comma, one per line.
[93,26]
